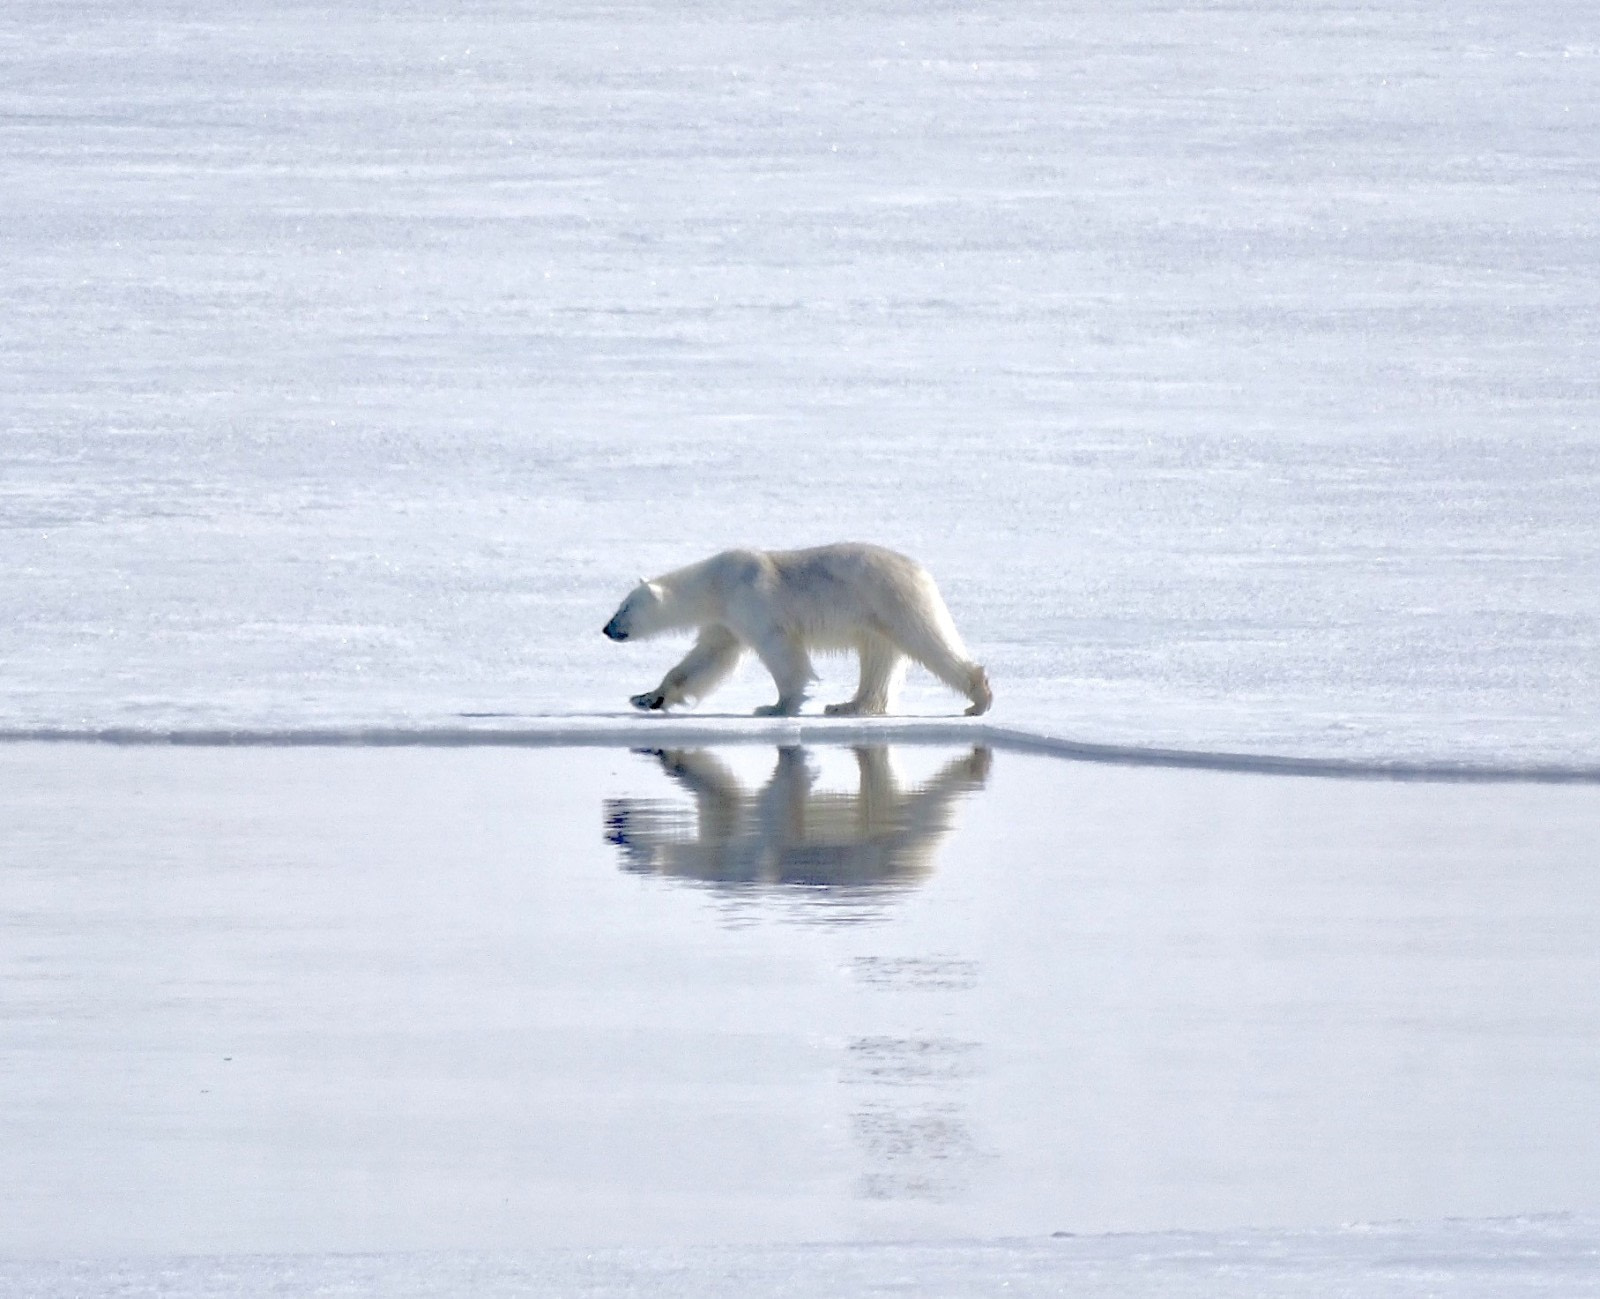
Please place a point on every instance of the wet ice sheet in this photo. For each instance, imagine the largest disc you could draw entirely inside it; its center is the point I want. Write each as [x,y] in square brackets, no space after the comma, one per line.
[266,1000]
[1233,367]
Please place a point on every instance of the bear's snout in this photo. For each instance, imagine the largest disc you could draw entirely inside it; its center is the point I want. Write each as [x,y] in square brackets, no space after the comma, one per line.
[613,631]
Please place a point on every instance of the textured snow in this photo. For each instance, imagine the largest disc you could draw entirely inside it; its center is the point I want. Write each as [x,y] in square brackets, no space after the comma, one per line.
[1502,1259]
[1233,367]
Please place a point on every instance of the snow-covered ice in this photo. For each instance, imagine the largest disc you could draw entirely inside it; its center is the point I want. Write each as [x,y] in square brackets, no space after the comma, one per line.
[1466,1260]
[1236,370]
[1233,367]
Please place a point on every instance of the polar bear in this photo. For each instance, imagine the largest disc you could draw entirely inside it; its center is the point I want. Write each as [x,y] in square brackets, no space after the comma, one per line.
[785,604]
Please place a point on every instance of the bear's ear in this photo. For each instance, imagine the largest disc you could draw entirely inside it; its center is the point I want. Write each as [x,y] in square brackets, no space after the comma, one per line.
[655,590]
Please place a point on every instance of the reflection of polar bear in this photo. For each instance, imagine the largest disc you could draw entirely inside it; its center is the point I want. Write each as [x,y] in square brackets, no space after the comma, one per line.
[789,833]
[783,604]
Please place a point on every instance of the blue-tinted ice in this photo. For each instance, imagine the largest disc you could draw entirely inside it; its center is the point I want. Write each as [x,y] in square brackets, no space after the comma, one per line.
[357,998]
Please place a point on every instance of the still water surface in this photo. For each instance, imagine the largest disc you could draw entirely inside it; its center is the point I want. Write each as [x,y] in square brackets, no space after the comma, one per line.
[352,999]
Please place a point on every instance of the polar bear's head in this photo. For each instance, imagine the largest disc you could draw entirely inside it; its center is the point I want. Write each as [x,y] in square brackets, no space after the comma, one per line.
[643,613]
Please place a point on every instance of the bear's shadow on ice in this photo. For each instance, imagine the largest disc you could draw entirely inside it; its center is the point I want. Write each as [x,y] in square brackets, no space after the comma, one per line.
[789,835]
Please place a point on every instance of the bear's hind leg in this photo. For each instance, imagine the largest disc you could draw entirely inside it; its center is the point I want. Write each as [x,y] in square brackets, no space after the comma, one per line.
[880,664]
[957,672]
[979,691]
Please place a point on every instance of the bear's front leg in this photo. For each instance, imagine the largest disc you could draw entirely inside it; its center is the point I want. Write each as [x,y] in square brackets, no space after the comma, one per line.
[715,654]
[791,669]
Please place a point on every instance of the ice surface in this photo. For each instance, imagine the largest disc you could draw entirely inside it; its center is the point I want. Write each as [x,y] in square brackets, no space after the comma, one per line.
[1233,367]
[272,1001]
[1505,1259]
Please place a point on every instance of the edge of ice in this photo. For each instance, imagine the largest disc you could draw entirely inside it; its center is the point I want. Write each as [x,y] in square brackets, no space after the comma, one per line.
[652,732]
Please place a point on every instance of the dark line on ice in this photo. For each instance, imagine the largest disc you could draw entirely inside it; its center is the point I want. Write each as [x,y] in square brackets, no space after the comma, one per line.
[635,732]
[1275,765]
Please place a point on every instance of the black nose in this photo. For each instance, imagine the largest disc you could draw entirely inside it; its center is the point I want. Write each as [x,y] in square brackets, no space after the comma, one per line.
[611,630]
